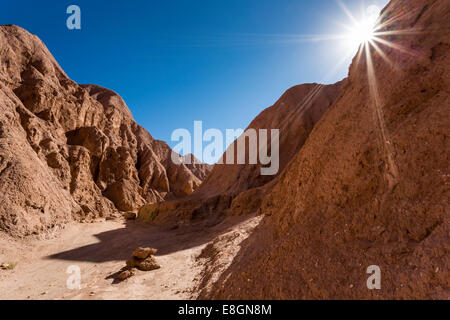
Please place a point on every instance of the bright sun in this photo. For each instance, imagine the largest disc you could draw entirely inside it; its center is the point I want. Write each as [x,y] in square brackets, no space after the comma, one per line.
[363,31]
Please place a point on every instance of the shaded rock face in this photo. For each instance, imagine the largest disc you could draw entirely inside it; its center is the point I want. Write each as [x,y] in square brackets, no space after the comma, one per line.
[354,196]
[295,115]
[238,188]
[72,151]
[199,169]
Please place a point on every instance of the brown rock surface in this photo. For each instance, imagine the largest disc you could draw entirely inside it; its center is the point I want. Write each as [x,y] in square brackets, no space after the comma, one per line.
[72,151]
[295,115]
[354,195]
[130,215]
[142,253]
[199,169]
[125,274]
[238,188]
[146,264]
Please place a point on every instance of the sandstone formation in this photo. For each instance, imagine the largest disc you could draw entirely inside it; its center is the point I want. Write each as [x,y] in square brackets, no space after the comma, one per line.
[295,115]
[199,169]
[371,184]
[238,188]
[70,151]
[364,171]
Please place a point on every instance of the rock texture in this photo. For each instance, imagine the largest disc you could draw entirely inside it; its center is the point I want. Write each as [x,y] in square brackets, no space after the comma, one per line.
[295,115]
[238,188]
[143,259]
[362,191]
[72,151]
[199,169]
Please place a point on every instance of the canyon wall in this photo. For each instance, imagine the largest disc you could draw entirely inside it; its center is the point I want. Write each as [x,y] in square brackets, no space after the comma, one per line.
[371,184]
[70,151]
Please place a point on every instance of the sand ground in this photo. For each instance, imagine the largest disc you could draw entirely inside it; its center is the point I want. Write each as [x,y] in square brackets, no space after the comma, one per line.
[100,249]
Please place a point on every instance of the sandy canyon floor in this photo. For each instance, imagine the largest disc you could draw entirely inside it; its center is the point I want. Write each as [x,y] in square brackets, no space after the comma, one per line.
[100,249]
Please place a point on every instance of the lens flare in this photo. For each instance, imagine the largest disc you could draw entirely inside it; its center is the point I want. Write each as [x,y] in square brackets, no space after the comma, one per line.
[364,31]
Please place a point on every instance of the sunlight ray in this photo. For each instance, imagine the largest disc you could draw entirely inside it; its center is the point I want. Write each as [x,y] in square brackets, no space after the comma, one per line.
[396,46]
[398,32]
[383,55]
[301,106]
[236,40]
[358,57]
[392,173]
[384,24]
[347,12]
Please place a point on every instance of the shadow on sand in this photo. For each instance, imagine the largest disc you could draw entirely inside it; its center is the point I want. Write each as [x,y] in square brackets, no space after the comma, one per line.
[118,244]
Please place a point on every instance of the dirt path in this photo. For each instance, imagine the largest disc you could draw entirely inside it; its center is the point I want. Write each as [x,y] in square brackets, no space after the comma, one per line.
[100,249]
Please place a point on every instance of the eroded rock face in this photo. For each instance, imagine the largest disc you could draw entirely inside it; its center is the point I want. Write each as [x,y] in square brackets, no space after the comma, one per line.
[238,188]
[295,115]
[199,169]
[354,195]
[72,151]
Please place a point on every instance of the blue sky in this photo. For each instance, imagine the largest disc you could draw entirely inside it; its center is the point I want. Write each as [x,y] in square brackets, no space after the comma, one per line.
[174,62]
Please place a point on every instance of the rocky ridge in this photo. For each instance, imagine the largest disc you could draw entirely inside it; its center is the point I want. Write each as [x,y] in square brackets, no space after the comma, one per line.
[370,186]
[70,151]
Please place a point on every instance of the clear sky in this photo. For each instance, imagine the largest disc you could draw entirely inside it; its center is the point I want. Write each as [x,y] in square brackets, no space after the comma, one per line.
[173,62]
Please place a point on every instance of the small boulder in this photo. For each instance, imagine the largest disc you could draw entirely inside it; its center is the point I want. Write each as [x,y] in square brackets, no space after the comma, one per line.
[142,253]
[143,260]
[125,274]
[130,215]
[113,217]
[131,262]
[147,264]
